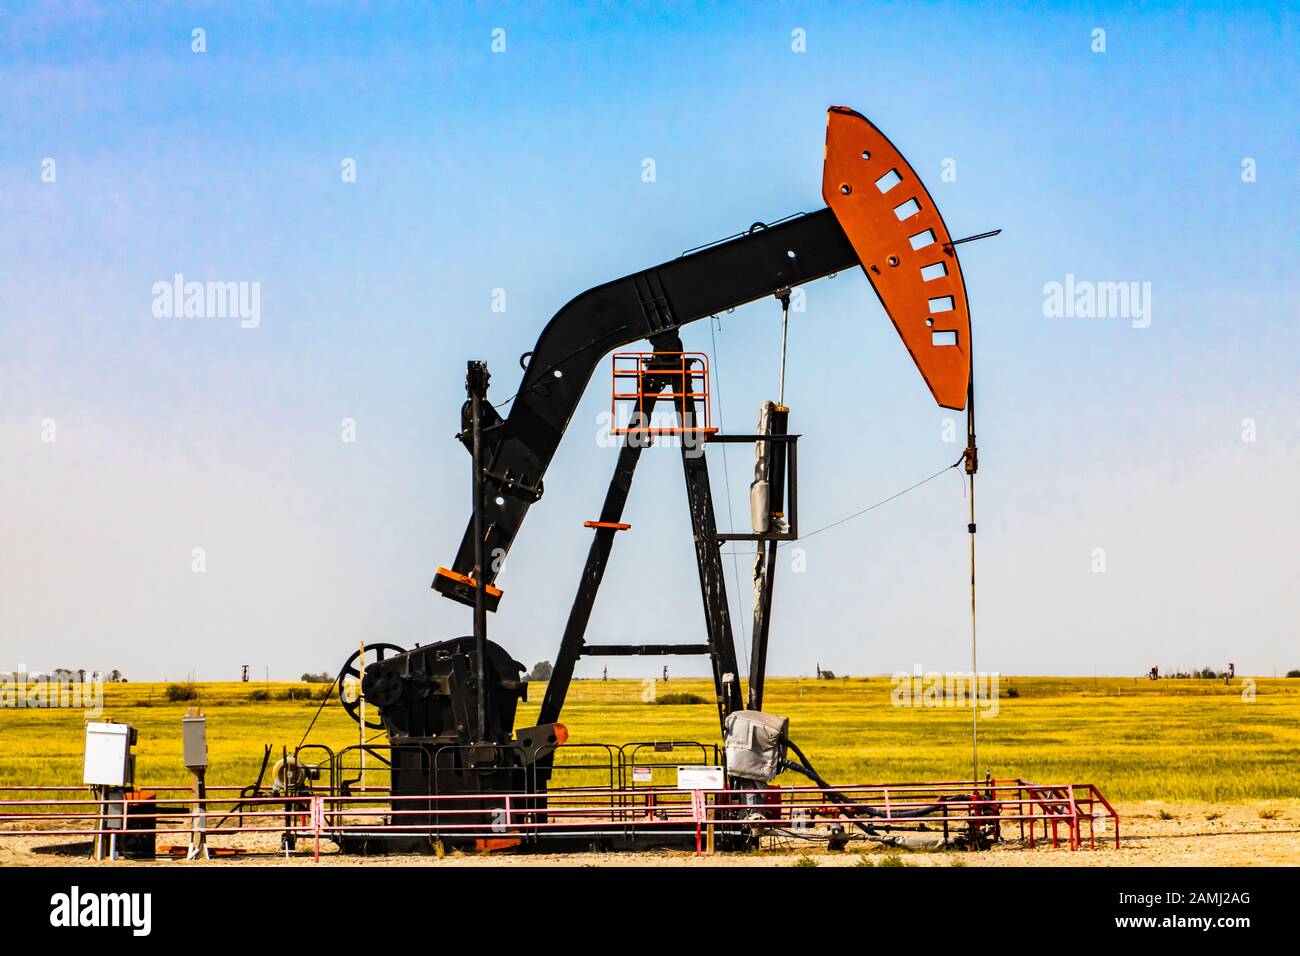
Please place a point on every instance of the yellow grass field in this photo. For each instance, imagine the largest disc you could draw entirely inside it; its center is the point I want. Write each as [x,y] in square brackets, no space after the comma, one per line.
[1168,740]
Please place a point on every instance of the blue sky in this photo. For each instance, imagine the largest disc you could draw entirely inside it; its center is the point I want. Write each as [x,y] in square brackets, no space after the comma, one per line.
[522,170]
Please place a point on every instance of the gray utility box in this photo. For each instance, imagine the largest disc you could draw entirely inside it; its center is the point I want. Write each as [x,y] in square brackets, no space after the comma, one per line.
[109,761]
[755,744]
[194,733]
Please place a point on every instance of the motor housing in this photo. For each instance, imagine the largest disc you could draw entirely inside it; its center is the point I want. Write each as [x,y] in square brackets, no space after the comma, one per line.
[756,745]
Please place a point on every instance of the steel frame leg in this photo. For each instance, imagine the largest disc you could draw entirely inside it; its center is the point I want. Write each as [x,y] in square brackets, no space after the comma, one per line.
[593,572]
[722,650]
[762,628]
[778,474]
[708,558]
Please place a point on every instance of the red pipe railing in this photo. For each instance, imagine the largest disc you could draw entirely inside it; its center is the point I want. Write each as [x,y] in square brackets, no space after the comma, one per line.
[989,805]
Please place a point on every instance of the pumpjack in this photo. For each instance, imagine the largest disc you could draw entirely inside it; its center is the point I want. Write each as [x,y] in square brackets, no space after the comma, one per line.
[448,708]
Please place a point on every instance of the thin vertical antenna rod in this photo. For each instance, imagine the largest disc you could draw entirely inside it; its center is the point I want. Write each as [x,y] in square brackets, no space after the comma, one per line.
[972,465]
[784,296]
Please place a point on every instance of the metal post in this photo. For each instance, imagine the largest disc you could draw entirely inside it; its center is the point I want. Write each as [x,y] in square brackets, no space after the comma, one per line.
[762,628]
[778,470]
[476,382]
[361,722]
[101,794]
[198,848]
[195,742]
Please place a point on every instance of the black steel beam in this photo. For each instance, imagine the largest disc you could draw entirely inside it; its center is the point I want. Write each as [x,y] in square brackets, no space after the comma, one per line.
[647,304]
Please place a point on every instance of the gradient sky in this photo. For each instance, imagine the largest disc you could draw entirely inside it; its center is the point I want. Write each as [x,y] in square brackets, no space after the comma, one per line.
[522,170]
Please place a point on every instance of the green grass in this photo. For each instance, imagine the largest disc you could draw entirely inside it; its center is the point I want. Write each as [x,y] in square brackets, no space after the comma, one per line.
[1168,740]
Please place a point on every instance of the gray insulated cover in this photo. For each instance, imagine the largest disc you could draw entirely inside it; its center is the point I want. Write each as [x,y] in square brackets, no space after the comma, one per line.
[755,744]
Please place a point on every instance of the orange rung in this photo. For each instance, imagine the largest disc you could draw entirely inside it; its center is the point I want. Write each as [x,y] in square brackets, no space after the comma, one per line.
[616,525]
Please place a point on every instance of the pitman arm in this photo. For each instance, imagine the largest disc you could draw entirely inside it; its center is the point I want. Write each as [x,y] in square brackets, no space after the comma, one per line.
[861,227]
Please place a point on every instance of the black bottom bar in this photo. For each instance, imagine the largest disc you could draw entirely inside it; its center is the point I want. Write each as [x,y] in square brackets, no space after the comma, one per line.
[1037,901]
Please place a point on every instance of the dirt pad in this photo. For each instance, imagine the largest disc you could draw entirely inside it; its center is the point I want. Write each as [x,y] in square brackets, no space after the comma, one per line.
[1152,834]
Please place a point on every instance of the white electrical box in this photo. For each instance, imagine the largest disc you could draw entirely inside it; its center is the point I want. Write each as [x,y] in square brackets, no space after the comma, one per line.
[194,737]
[109,762]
